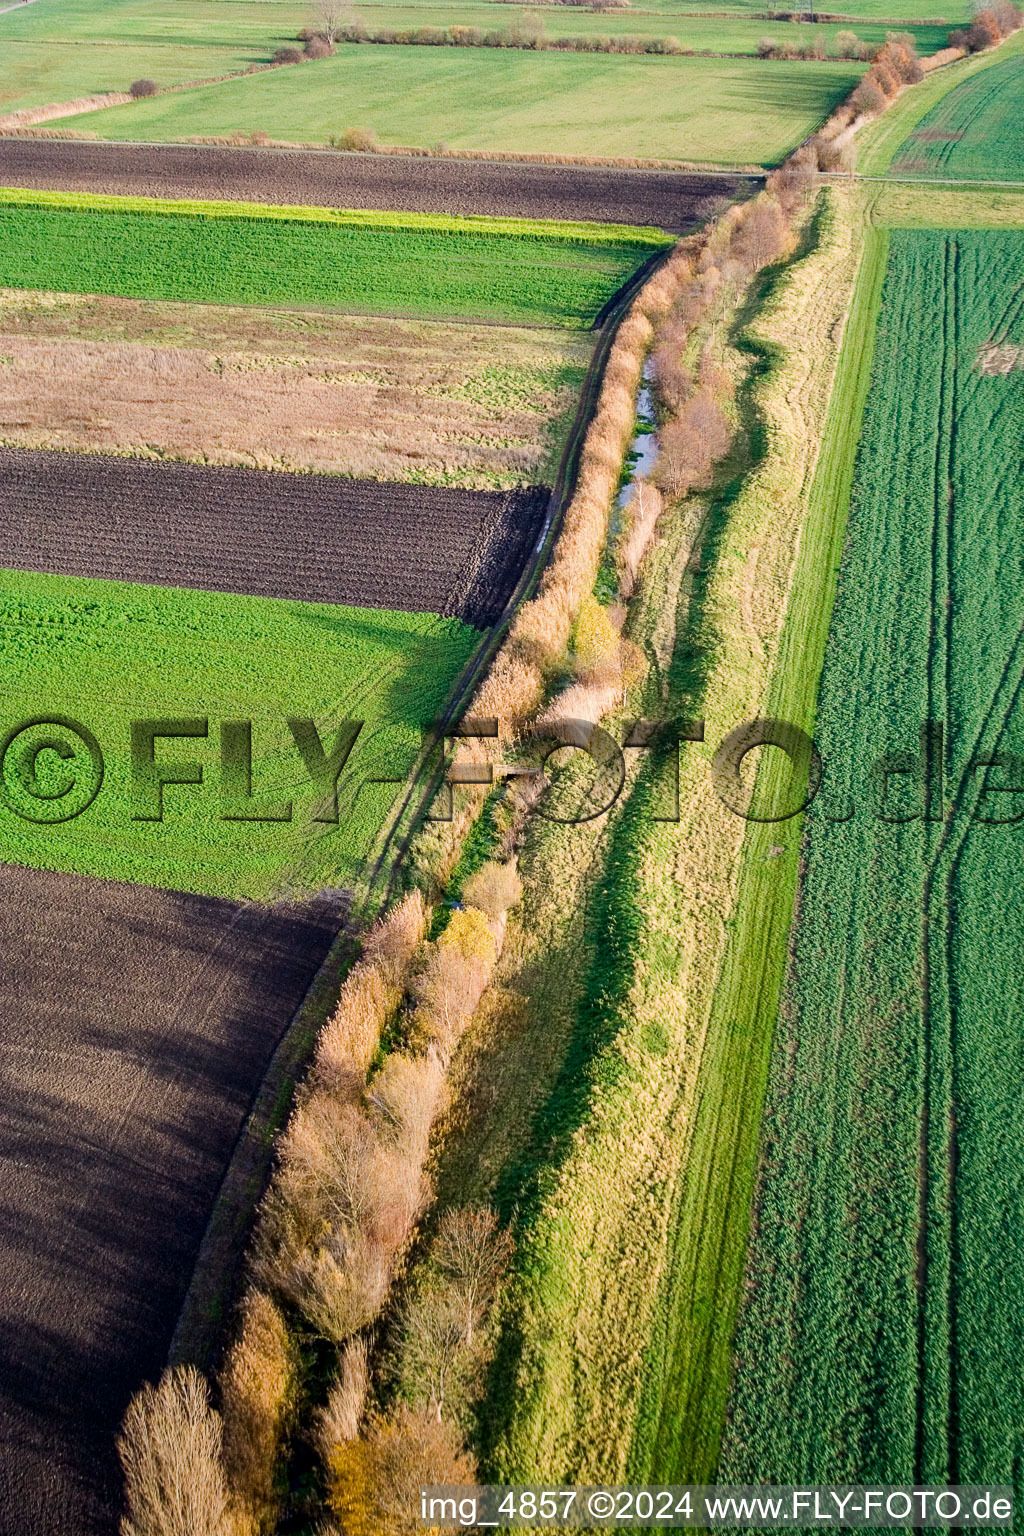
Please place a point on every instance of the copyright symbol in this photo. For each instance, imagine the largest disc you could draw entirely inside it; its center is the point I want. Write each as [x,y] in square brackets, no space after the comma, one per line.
[601,1504]
[51,769]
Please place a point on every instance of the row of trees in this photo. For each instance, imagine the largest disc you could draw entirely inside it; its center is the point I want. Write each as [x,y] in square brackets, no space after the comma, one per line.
[989,27]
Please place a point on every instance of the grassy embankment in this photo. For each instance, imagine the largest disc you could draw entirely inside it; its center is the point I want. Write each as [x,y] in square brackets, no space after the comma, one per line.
[596,1042]
[891,1173]
[362,262]
[107,653]
[689,1365]
[732,111]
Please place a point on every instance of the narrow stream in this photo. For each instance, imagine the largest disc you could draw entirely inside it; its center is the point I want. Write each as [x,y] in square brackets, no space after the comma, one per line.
[643,450]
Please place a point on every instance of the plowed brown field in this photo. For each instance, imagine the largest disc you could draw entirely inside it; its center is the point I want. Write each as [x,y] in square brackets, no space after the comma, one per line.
[309,538]
[673,200]
[137,1028]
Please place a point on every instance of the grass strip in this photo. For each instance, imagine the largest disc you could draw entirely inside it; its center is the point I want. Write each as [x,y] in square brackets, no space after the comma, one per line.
[682,1414]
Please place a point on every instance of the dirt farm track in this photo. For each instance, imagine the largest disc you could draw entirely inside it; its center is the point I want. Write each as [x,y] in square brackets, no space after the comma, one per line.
[307,538]
[673,200]
[126,1080]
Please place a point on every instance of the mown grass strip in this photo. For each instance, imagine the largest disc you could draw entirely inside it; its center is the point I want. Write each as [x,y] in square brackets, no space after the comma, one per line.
[680,1424]
[555,230]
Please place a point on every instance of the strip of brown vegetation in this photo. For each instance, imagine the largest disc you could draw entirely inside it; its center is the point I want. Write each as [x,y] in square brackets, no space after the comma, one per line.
[481,408]
[438,1368]
[27,117]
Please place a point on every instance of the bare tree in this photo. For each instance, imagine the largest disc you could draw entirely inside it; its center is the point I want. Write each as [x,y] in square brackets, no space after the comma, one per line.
[473,1252]
[338,1422]
[434,1352]
[330,18]
[170,1449]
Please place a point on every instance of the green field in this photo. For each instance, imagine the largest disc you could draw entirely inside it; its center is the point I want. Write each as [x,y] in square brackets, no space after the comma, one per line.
[976,131]
[879,141]
[59,52]
[682,1414]
[721,111]
[882,1332]
[360,263]
[106,653]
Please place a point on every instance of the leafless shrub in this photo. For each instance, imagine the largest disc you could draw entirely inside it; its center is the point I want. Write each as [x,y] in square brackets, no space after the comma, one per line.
[763,236]
[338,1421]
[404,1098]
[472,1253]
[318,48]
[257,1394]
[370,995]
[434,1355]
[868,97]
[644,508]
[393,943]
[341,1289]
[170,1449]
[358,140]
[375,1482]
[141,88]
[449,991]
[288,56]
[494,888]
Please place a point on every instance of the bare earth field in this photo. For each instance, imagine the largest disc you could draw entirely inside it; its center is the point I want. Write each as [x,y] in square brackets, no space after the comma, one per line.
[481,407]
[310,538]
[673,200]
[138,1025]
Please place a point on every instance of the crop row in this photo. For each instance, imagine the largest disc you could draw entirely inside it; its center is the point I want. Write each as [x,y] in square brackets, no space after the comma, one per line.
[560,231]
[882,1330]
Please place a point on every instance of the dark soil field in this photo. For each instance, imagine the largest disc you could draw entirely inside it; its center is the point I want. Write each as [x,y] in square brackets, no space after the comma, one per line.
[138,1025]
[673,200]
[308,538]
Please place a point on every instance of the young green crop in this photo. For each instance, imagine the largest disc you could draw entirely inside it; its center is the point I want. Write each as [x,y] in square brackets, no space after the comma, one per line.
[360,263]
[882,1331]
[560,231]
[973,133]
[107,653]
[724,111]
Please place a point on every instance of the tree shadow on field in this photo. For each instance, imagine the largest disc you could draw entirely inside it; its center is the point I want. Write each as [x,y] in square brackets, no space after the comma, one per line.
[139,1025]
